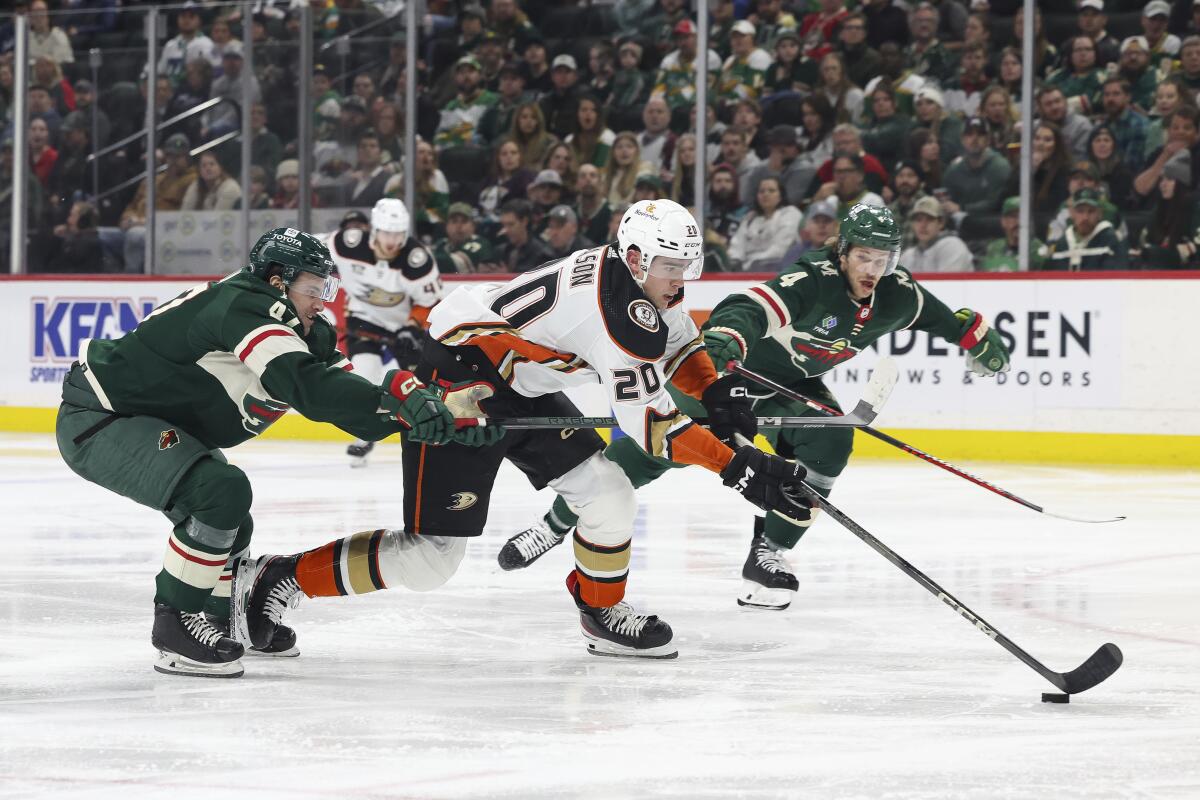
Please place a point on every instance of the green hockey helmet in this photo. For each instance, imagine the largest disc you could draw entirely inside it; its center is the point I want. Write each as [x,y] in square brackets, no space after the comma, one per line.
[294,252]
[870,226]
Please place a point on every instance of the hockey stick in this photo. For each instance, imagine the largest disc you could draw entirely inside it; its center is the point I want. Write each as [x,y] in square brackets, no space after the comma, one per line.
[737,368]
[1097,668]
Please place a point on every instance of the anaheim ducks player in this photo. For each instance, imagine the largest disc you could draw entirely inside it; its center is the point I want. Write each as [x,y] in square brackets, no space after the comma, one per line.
[391,282]
[611,315]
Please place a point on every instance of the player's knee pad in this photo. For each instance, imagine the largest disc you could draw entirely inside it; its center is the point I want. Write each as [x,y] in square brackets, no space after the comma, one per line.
[419,563]
[216,493]
[601,494]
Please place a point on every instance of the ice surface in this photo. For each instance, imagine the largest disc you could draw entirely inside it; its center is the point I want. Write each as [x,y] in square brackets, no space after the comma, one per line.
[867,687]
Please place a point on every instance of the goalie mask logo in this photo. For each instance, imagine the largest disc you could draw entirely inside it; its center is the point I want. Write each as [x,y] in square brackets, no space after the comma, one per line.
[168,439]
[461,501]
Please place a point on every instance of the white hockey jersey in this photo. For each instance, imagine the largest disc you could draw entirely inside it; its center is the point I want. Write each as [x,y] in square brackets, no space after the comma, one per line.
[583,319]
[388,294]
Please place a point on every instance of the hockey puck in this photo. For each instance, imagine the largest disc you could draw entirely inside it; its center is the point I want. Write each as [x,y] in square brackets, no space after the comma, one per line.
[1051,697]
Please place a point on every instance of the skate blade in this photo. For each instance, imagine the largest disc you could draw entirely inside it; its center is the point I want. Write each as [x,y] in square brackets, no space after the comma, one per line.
[754,595]
[174,664]
[603,647]
[291,652]
[358,462]
[239,595]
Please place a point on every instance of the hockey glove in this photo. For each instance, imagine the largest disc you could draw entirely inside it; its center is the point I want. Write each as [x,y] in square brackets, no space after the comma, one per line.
[761,477]
[427,417]
[463,400]
[724,345]
[730,411]
[986,353]
[406,346]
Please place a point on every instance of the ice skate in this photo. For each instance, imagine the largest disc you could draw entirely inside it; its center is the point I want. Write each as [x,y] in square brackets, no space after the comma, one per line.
[358,453]
[768,581]
[189,645]
[262,590]
[528,546]
[620,631]
[282,645]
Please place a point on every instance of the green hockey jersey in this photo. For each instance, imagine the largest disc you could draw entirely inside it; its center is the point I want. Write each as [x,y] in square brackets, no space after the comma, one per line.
[224,360]
[804,323]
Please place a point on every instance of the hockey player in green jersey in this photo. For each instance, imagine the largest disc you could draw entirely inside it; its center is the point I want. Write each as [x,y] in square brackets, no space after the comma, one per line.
[146,415]
[793,329]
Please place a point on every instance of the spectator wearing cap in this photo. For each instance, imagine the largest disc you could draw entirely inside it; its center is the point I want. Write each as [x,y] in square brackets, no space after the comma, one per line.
[601,69]
[818,29]
[886,136]
[847,140]
[791,71]
[46,40]
[1135,68]
[592,140]
[188,45]
[625,167]
[170,187]
[966,91]
[287,184]
[648,187]
[214,189]
[1089,242]
[224,118]
[784,163]
[520,250]
[676,78]
[1080,78]
[1092,23]
[562,235]
[591,205]
[42,156]
[460,118]
[820,225]
[1172,236]
[461,250]
[508,180]
[1052,106]
[1183,134]
[925,54]
[886,22]
[545,192]
[470,27]
[1085,175]
[935,249]
[1003,254]
[862,61]
[946,128]
[85,103]
[769,18]
[722,215]
[536,67]
[768,231]
[657,141]
[1127,124]
[743,74]
[848,187]
[976,180]
[560,104]
[1155,16]
[629,83]
[907,187]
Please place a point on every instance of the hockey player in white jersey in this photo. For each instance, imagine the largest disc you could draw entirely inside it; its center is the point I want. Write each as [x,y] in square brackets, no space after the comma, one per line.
[392,282]
[611,315]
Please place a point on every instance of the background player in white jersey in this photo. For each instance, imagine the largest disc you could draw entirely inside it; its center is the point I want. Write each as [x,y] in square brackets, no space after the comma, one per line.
[611,315]
[391,282]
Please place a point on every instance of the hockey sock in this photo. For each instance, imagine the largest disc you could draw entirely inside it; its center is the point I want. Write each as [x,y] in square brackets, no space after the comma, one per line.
[344,566]
[600,571]
[218,602]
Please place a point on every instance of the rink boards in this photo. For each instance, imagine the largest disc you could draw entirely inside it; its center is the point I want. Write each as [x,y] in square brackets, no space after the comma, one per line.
[1102,370]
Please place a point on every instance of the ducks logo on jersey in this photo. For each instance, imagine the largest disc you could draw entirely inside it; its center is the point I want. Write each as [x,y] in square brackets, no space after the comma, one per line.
[644,314]
[383,299]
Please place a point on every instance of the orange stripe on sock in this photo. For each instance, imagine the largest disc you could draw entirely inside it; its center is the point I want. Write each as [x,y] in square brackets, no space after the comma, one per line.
[599,594]
[314,572]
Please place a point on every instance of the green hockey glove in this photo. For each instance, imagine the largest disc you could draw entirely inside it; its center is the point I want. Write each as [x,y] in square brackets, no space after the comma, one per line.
[463,400]
[427,417]
[724,345]
[986,353]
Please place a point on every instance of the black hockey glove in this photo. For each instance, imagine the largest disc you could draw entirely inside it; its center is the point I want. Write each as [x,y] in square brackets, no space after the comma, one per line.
[406,346]
[761,477]
[729,410]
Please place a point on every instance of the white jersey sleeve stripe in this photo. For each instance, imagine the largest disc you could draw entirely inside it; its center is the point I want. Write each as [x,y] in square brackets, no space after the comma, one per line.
[772,305]
[262,345]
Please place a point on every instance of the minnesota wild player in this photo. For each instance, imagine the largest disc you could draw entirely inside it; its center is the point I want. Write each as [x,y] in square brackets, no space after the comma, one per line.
[793,329]
[146,415]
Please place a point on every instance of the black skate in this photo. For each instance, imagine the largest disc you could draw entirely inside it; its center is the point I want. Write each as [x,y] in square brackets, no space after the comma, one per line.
[768,581]
[358,453]
[262,590]
[188,645]
[528,546]
[283,643]
[619,631]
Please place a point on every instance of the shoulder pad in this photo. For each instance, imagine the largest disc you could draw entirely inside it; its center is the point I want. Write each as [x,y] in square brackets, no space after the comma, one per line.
[352,244]
[632,321]
[414,261]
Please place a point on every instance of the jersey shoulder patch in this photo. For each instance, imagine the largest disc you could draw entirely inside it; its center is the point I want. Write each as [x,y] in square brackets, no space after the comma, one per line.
[351,244]
[632,321]
[414,262]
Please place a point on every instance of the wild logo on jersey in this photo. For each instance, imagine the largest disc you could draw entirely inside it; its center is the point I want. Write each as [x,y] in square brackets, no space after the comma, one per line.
[828,353]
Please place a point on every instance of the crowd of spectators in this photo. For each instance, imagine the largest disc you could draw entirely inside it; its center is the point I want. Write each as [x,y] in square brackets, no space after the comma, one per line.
[539,122]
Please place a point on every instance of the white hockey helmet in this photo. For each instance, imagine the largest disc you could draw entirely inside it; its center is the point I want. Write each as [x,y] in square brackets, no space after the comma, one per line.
[390,214]
[662,228]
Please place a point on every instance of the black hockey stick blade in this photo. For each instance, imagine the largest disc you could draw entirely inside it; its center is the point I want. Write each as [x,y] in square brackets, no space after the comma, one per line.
[1097,669]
